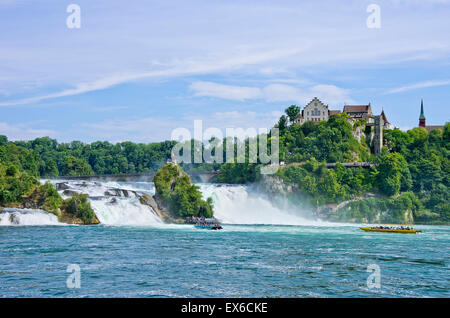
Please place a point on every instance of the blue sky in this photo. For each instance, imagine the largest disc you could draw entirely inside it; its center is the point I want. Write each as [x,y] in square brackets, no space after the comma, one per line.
[136,70]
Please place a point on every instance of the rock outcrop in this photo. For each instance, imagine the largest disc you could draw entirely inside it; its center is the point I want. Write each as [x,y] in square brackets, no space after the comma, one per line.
[162,212]
[176,197]
[69,218]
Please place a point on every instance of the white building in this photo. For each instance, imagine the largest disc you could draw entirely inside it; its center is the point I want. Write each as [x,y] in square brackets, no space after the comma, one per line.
[315,111]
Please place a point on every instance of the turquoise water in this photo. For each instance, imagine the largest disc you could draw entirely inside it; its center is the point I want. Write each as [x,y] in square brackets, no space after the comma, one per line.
[240,261]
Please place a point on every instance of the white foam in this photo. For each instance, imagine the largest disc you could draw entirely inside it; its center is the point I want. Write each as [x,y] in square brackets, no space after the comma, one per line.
[233,204]
[27,217]
[237,204]
[125,211]
[112,209]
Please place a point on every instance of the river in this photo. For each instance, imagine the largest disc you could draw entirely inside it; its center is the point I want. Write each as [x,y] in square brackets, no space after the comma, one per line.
[263,251]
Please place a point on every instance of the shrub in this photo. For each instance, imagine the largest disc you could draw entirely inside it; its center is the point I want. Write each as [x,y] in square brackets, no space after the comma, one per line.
[174,187]
[79,206]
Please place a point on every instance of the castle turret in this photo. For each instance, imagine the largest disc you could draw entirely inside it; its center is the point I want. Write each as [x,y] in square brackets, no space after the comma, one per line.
[422,115]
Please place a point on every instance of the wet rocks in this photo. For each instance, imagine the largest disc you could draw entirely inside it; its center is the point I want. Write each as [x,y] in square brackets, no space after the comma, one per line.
[61,186]
[114,192]
[113,201]
[162,213]
[69,193]
[14,219]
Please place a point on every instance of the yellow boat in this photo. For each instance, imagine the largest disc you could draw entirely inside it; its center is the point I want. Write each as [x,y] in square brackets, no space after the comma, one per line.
[371,229]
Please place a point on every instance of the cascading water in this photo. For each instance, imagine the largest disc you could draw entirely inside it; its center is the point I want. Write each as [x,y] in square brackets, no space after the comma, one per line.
[27,217]
[237,204]
[114,203]
[124,211]
[117,203]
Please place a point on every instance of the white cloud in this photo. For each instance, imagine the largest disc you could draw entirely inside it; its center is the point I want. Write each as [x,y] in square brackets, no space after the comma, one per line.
[244,119]
[276,92]
[210,89]
[187,67]
[23,131]
[151,129]
[332,94]
[419,85]
[282,92]
[179,39]
[144,130]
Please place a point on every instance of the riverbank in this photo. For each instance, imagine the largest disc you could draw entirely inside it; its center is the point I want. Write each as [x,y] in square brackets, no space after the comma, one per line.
[366,207]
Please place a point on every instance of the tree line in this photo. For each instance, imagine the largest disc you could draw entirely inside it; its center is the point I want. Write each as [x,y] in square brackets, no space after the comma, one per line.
[415,163]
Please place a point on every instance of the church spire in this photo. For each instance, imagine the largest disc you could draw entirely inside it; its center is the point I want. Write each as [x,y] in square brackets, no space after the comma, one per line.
[422,115]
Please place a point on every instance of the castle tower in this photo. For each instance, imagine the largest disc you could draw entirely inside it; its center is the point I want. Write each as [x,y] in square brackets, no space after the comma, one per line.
[422,115]
[378,137]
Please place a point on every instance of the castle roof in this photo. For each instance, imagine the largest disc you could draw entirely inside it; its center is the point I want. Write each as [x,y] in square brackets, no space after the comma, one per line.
[356,108]
[384,117]
[430,128]
[315,100]
[334,112]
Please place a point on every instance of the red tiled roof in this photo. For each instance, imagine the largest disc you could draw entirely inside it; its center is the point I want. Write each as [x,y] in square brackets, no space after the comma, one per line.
[333,112]
[356,108]
[430,128]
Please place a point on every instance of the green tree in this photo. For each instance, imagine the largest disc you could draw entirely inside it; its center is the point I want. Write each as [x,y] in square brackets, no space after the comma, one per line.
[292,112]
[282,124]
[3,140]
[79,207]
[76,166]
[391,169]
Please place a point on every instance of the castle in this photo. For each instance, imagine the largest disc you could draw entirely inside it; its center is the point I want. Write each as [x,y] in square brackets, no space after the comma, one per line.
[316,111]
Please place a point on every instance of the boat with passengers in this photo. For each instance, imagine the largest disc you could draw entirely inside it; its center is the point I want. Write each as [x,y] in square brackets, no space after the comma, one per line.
[208,224]
[391,229]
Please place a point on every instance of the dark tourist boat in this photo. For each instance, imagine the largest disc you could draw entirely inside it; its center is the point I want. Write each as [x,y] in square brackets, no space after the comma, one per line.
[206,223]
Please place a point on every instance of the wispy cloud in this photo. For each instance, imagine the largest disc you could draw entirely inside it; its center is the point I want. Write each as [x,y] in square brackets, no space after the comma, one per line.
[244,53]
[150,129]
[273,92]
[419,85]
[184,68]
[23,131]
[210,89]
[104,53]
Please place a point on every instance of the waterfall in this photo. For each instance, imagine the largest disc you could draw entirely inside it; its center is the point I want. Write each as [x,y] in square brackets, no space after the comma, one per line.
[238,204]
[114,203]
[124,211]
[12,216]
[117,203]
